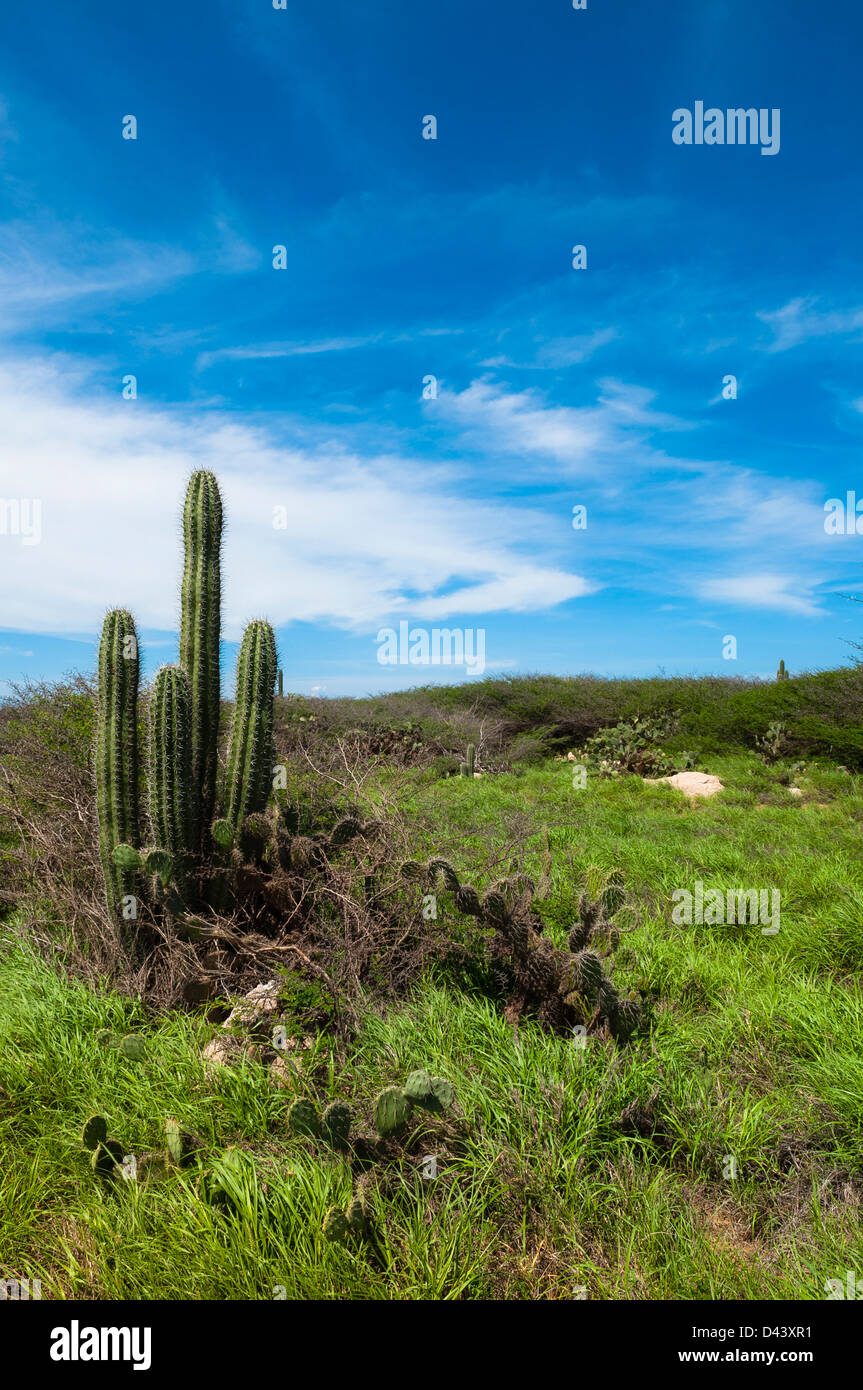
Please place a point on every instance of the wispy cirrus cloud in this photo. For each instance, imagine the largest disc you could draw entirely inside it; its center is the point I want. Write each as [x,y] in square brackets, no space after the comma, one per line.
[778,592]
[560,352]
[265,351]
[800,320]
[578,437]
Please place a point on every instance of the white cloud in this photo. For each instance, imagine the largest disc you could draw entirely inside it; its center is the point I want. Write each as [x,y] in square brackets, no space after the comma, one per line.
[256,351]
[365,537]
[771,591]
[560,352]
[583,438]
[799,320]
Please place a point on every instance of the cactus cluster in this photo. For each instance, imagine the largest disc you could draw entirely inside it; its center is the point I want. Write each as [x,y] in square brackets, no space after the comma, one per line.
[561,988]
[394,1105]
[131,1046]
[393,1108]
[781,674]
[187,846]
[333,1126]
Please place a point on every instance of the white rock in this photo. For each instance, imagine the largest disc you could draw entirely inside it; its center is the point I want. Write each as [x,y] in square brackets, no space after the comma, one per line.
[254,1006]
[692,784]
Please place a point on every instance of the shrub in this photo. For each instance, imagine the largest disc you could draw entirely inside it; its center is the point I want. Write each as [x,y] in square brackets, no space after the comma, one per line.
[632,747]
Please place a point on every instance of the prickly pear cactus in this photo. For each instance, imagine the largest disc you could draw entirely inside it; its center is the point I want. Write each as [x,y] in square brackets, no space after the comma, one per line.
[345,830]
[589,968]
[336,1124]
[357,1216]
[613,893]
[106,1158]
[626,1018]
[391,1111]
[95,1132]
[223,833]
[432,1093]
[159,861]
[303,1118]
[181,1145]
[413,871]
[336,1227]
[134,1048]
[446,870]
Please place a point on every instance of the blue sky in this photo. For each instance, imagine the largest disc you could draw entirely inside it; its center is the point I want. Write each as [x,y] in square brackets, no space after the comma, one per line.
[408,258]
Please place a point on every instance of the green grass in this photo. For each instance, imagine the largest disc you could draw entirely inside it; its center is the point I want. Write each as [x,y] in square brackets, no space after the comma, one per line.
[755,1054]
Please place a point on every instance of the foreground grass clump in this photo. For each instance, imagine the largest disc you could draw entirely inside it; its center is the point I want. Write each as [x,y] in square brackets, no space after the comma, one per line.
[564,1170]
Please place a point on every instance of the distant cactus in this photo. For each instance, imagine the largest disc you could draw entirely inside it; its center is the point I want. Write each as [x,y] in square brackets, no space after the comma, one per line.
[468,766]
[782,674]
[249,775]
[200,634]
[281,684]
[117,751]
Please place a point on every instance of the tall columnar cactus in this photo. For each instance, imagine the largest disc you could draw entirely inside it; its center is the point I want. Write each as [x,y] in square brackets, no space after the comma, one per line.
[171,768]
[199,640]
[249,776]
[782,674]
[467,767]
[117,750]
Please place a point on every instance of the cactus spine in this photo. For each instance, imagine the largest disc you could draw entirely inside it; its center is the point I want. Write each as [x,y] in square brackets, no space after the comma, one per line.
[467,768]
[117,750]
[249,774]
[171,767]
[199,640]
